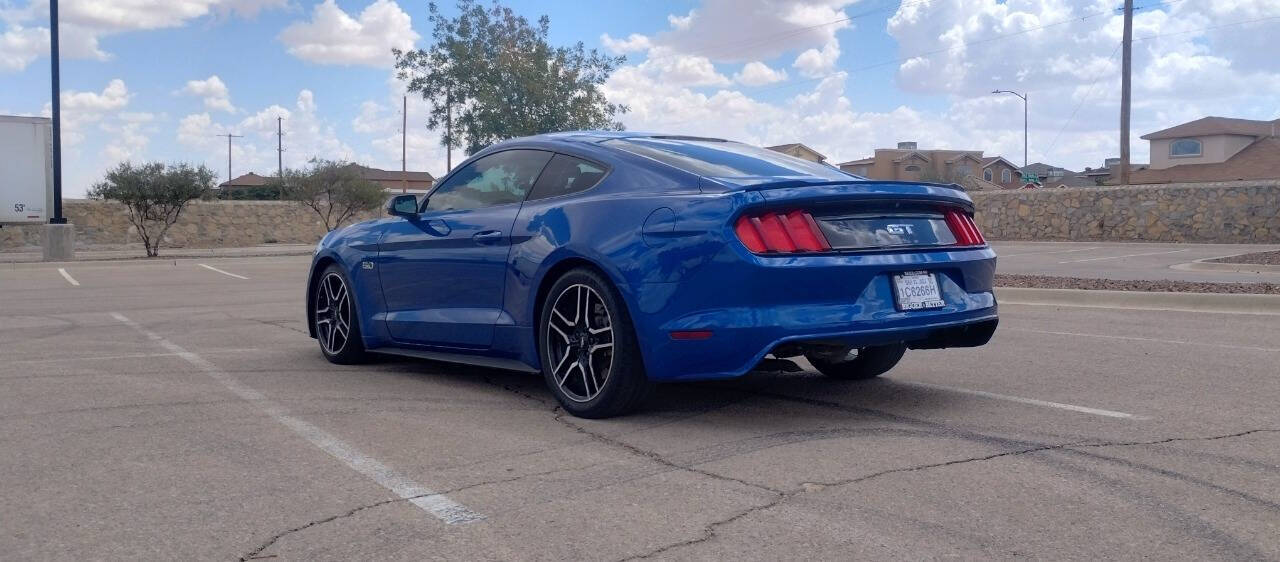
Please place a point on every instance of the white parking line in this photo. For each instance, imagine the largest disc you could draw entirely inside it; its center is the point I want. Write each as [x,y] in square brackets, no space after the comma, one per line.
[1031,401]
[211,268]
[1152,340]
[436,504]
[1047,253]
[68,277]
[1125,256]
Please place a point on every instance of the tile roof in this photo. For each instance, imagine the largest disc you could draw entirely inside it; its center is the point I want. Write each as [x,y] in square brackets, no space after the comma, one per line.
[1217,126]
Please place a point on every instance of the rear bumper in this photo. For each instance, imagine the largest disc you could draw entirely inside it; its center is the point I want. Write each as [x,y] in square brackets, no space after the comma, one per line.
[754,304]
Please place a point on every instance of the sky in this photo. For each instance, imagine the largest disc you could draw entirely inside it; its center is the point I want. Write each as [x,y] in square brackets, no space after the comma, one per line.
[160,79]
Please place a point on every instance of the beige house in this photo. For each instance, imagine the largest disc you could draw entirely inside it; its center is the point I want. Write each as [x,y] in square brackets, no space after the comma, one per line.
[908,162]
[799,151]
[1213,149]
[1206,141]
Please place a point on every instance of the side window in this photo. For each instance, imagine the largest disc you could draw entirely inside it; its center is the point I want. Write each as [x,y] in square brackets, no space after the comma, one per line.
[1006,176]
[565,175]
[986,175]
[497,179]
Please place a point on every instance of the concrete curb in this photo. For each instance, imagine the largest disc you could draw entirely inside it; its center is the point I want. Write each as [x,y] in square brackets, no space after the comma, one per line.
[1206,265]
[1140,300]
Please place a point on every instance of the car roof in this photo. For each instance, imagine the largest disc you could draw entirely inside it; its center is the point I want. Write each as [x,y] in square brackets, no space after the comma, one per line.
[598,136]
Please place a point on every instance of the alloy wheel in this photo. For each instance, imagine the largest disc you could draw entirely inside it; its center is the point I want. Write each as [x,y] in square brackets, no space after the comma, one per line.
[333,313]
[579,342]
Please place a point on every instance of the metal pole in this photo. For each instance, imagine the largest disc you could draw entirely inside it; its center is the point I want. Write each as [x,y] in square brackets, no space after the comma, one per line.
[1024,123]
[279,147]
[57,217]
[229,137]
[448,127]
[1125,87]
[404,143]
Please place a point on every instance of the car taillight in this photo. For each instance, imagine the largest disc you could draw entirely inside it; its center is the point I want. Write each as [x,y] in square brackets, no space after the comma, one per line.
[782,233]
[964,229]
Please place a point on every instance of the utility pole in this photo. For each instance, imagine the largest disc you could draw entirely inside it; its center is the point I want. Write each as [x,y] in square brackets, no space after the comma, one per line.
[1125,88]
[229,137]
[1024,121]
[448,127]
[279,157]
[57,217]
[404,143]
[280,148]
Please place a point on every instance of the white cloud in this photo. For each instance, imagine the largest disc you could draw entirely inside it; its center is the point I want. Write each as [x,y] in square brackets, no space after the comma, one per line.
[814,63]
[20,46]
[756,73]
[741,31]
[681,22]
[633,42]
[682,70]
[84,22]
[307,134]
[213,91]
[381,120]
[332,36]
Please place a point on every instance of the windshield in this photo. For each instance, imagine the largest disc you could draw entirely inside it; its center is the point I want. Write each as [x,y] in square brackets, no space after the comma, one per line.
[724,159]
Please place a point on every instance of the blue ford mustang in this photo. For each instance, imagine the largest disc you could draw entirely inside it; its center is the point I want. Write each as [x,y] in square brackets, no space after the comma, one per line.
[608,261]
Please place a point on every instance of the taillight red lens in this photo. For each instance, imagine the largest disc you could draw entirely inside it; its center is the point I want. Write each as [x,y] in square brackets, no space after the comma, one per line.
[964,229]
[787,233]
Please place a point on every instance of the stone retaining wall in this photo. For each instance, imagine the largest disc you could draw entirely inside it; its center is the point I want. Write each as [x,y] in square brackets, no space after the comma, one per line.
[1227,212]
[212,224]
[1234,212]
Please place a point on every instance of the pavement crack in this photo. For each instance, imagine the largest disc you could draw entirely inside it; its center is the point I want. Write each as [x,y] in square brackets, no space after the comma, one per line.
[709,532]
[277,323]
[257,553]
[654,456]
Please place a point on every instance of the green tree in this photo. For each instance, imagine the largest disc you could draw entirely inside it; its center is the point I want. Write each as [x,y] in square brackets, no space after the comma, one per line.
[155,195]
[335,191]
[502,79]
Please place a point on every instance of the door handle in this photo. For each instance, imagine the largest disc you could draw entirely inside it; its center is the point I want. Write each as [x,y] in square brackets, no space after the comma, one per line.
[487,236]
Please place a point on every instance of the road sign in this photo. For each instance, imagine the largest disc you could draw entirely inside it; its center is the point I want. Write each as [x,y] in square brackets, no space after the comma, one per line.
[26,170]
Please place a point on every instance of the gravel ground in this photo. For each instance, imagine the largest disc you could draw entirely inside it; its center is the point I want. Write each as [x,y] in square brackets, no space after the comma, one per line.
[1259,258]
[1046,282]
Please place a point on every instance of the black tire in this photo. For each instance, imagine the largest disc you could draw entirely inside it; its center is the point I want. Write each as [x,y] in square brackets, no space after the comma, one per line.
[572,352]
[869,363]
[338,348]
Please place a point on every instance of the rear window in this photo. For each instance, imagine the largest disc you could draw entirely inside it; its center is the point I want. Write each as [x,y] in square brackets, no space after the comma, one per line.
[724,159]
[565,175]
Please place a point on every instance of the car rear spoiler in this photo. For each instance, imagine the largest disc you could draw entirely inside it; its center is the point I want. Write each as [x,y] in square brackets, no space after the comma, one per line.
[855,190]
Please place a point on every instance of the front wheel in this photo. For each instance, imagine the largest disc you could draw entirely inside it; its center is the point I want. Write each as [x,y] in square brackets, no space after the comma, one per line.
[859,363]
[334,319]
[590,358]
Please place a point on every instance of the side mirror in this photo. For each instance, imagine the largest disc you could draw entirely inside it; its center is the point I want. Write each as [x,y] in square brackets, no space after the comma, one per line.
[403,205]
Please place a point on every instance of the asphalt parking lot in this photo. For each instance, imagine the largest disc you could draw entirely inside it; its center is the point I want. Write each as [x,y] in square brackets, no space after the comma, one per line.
[177,410]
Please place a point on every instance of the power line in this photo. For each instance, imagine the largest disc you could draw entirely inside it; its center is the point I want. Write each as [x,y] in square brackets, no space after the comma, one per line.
[1084,99]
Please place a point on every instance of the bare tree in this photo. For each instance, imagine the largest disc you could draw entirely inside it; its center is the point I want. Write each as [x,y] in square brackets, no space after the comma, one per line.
[155,195]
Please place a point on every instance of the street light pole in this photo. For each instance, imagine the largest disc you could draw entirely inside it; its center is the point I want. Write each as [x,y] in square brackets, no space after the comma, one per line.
[56,107]
[1024,120]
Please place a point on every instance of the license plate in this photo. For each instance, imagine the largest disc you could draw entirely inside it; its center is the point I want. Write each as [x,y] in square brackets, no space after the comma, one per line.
[917,290]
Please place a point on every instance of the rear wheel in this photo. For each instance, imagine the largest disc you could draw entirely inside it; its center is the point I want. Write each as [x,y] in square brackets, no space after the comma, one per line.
[590,358]
[859,363]
[335,320]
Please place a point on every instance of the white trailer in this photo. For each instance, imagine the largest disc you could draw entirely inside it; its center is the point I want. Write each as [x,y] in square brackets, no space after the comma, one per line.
[26,170]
